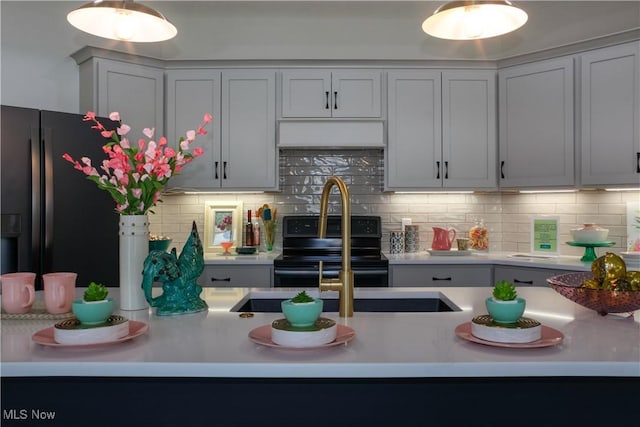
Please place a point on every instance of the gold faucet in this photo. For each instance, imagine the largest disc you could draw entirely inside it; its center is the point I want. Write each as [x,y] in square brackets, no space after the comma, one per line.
[344,283]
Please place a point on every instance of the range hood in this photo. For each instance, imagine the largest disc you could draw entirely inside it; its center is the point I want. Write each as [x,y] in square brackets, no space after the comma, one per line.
[331,134]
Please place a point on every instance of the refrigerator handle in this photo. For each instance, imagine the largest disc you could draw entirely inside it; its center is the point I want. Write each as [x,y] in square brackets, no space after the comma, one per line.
[36,198]
[46,181]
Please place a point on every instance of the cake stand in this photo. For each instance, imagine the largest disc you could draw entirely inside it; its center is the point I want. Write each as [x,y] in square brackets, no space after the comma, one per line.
[589,251]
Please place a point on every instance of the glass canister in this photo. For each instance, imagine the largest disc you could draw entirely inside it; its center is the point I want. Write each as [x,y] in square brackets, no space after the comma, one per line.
[479,236]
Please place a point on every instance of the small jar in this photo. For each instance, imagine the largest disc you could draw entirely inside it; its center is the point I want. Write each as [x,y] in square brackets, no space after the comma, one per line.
[479,236]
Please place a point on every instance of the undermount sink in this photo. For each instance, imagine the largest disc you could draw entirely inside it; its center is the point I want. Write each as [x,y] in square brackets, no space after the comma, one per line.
[378,301]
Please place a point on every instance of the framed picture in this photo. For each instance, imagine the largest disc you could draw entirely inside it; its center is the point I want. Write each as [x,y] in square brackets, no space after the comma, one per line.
[544,234]
[222,223]
[633,226]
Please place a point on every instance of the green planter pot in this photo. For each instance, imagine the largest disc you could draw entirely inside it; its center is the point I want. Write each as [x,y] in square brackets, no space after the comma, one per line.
[505,311]
[93,312]
[302,314]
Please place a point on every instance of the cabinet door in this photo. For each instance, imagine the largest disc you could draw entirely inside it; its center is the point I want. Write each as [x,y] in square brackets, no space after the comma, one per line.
[611,115]
[249,158]
[469,146]
[135,91]
[440,275]
[414,143]
[306,93]
[253,276]
[331,93]
[523,276]
[355,93]
[190,94]
[536,124]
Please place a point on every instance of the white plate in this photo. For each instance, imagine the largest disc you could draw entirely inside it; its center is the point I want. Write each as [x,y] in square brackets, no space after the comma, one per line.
[550,337]
[45,336]
[262,336]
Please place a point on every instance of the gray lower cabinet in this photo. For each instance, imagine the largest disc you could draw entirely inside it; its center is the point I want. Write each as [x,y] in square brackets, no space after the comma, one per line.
[524,276]
[411,275]
[236,275]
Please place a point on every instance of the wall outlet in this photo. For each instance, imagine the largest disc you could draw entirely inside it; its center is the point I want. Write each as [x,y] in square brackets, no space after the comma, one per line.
[405,221]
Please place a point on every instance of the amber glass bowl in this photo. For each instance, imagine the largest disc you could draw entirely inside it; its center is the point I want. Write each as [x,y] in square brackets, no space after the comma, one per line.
[602,301]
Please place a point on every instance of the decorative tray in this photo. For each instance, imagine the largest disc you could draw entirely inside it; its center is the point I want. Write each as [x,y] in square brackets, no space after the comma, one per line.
[37,312]
[453,252]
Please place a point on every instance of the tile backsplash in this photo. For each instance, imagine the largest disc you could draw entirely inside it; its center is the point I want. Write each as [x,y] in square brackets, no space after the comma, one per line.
[506,215]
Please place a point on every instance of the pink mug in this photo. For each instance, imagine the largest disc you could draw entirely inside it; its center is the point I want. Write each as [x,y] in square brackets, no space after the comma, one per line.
[18,292]
[59,291]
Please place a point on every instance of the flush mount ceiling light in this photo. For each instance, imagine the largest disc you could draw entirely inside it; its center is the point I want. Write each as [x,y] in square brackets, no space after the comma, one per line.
[122,20]
[471,20]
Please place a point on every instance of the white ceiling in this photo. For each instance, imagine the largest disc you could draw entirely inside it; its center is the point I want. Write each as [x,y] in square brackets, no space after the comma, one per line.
[371,30]
[320,29]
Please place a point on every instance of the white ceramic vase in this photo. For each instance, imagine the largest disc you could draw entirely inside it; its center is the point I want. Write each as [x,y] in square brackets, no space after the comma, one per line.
[134,248]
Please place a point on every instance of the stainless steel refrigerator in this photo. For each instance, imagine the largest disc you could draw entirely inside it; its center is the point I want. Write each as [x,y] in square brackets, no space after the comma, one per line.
[53,218]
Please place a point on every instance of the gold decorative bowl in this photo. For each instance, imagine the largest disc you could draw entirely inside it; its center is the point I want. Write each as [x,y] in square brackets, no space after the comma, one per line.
[603,301]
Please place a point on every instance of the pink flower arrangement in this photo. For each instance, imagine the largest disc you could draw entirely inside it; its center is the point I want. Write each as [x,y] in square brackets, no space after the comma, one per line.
[135,174]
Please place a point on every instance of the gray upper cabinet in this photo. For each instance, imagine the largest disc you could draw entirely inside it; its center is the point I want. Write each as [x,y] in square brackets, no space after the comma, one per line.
[536,121]
[441,129]
[610,115]
[240,150]
[191,94]
[469,145]
[135,91]
[322,93]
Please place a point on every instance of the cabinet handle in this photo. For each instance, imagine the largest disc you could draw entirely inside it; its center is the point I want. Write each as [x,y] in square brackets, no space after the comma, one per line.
[441,278]
[335,100]
[326,104]
[438,169]
[226,279]
[224,170]
[524,282]
[216,169]
[502,169]
[638,162]
[446,169]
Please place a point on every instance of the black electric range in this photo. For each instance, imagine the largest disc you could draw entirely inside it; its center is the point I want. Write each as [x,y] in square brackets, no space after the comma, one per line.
[298,265]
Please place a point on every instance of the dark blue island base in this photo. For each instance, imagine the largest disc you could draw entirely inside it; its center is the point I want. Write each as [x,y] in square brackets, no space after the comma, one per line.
[221,402]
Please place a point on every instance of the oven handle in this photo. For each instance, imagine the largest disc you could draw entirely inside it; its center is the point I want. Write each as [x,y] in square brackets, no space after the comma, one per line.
[327,273]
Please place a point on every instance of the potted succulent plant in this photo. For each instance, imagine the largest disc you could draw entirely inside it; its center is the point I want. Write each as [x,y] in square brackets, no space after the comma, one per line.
[302,310]
[94,308]
[504,306]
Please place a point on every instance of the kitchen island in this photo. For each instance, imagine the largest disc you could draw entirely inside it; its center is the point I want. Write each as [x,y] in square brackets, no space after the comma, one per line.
[395,359]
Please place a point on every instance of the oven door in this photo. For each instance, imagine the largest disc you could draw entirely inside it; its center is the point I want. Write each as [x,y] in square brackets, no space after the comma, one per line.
[307,277]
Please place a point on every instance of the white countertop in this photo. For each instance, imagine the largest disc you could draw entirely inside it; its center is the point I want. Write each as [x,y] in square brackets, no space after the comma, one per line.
[387,345]
[423,257]
[493,258]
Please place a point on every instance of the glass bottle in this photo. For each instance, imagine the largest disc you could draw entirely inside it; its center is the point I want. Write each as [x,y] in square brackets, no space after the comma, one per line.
[248,230]
[256,231]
